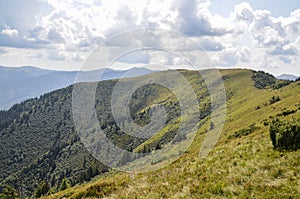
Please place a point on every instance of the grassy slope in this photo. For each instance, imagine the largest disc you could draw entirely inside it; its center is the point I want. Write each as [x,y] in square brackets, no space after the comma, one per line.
[245,167]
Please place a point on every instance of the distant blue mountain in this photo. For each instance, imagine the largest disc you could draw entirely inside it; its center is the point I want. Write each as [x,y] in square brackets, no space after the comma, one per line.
[287,77]
[21,83]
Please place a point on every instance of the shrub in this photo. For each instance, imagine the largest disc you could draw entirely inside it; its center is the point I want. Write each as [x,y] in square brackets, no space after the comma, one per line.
[274,99]
[244,132]
[285,135]
[288,112]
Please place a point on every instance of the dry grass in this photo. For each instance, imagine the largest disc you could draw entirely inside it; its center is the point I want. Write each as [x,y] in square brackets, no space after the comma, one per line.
[245,167]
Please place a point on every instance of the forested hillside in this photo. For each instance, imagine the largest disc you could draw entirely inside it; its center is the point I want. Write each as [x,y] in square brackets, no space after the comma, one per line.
[247,162]
[41,152]
[39,142]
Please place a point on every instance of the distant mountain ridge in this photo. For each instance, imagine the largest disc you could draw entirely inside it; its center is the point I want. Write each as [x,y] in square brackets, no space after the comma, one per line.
[287,77]
[20,83]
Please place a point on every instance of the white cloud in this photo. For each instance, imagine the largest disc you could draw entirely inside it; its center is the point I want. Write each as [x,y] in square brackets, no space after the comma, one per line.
[68,29]
[56,56]
[194,19]
[210,44]
[227,58]
[284,50]
[244,12]
[10,32]
[245,54]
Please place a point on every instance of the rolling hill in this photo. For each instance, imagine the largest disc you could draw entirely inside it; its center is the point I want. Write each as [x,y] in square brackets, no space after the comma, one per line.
[41,150]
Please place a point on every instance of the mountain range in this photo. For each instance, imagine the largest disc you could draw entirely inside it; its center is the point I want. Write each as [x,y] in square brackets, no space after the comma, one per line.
[287,77]
[20,83]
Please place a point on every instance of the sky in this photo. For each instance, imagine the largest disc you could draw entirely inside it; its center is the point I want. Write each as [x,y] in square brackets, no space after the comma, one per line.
[276,7]
[61,34]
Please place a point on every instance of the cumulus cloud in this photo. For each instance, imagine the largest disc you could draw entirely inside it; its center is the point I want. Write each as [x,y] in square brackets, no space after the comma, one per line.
[245,54]
[284,50]
[55,36]
[227,58]
[267,30]
[67,28]
[10,32]
[194,19]
[261,39]
[15,28]
[16,41]
[244,12]
[211,45]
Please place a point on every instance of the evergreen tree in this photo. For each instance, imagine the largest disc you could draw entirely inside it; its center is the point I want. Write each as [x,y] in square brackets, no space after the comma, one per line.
[42,189]
[9,193]
[64,184]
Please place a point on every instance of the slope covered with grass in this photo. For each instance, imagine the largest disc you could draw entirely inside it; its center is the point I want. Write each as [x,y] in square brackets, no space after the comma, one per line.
[243,164]
[41,151]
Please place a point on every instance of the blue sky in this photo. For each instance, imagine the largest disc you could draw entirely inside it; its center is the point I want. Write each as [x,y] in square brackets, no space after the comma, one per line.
[276,7]
[60,34]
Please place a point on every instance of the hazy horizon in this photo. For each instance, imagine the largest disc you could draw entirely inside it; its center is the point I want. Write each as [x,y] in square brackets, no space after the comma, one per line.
[145,67]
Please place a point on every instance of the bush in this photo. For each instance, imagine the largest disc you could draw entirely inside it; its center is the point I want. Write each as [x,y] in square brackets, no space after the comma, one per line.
[274,99]
[285,135]
[244,132]
[288,112]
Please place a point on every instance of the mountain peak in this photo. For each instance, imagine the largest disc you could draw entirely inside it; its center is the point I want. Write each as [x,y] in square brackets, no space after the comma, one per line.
[287,77]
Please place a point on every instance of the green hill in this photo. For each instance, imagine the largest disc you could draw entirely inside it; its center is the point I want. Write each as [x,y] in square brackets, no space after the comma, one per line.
[243,164]
[39,145]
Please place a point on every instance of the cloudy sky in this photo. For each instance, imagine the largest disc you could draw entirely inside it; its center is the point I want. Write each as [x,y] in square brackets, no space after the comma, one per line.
[60,34]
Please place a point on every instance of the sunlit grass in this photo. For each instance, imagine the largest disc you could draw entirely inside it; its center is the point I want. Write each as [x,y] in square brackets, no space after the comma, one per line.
[242,167]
